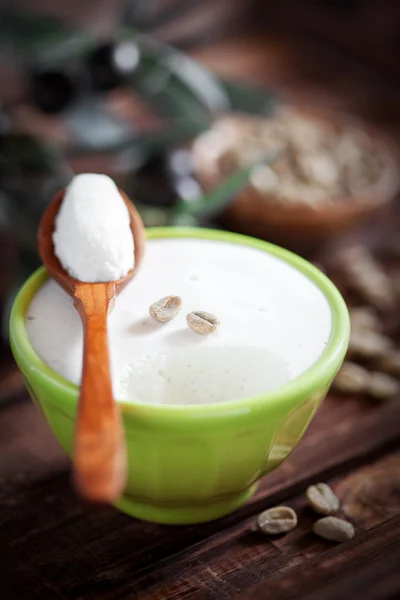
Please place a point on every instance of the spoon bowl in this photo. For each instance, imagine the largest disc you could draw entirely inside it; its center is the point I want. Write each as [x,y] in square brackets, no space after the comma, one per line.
[51,262]
[99,450]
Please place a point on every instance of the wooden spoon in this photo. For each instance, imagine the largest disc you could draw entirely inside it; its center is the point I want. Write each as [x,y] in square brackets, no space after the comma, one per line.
[99,453]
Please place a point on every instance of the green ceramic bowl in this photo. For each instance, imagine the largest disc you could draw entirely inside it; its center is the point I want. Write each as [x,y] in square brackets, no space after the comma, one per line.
[188,464]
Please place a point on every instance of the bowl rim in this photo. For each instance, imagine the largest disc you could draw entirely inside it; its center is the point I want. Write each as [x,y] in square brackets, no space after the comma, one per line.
[315,379]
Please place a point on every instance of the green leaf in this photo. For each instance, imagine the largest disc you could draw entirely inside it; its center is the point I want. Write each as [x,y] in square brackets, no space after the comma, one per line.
[35,37]
[142,146]
[30,155]
[153,216]
[183,219]
[173,84]
[149,15]
[249,98]
[31,171]
[215,201]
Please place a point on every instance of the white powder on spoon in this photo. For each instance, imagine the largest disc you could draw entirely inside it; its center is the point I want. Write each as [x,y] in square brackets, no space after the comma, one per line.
[92,238]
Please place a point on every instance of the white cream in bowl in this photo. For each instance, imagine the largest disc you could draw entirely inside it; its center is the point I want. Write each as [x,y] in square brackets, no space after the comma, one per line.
[274,324]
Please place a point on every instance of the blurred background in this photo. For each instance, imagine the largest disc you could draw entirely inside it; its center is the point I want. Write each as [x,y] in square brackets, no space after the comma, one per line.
[278,120]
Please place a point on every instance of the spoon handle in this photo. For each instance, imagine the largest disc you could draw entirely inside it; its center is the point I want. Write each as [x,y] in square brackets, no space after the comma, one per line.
[99,454]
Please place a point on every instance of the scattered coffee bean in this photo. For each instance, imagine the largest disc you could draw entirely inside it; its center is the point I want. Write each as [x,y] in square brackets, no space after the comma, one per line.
[276,520]
[334,529]
[390,363]
[165,309]
[364,318]
[322,499]
[368,344]
[382,386]
[352,379]
[202,322]
[365,275]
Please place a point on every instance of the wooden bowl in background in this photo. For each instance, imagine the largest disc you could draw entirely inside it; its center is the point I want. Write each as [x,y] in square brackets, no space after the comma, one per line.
[300,226]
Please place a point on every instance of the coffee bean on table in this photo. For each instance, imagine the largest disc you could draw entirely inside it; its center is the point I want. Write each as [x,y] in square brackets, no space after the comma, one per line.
[382,386]
[364,318]
[334,529]
[368,344]
[276,520]
[322,499]
[390,363]
[352,379]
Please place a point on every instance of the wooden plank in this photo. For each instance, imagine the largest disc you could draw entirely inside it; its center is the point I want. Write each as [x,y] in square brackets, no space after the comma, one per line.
[236,559]
[60,540]
[19,582]
[365,567]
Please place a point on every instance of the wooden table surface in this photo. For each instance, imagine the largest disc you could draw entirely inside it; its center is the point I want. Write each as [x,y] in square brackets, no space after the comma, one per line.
[54,547]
